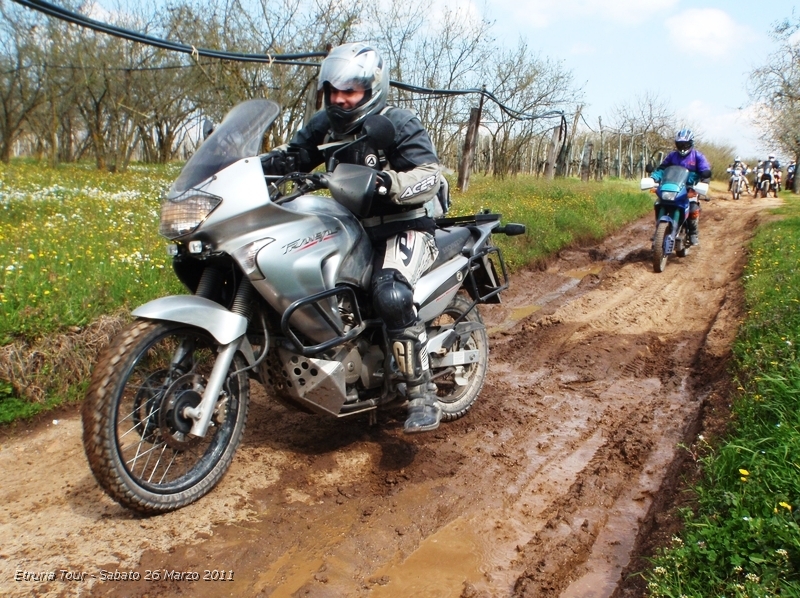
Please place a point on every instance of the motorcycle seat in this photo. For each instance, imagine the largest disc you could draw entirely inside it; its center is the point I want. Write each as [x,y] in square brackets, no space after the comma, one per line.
[450,242]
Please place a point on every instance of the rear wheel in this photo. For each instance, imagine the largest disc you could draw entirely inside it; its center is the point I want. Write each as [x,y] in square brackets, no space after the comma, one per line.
[659,255]
[460,379]
[135,429]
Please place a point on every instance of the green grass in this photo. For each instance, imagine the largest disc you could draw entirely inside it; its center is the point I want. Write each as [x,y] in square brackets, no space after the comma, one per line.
[557,213]
[76,244]
[742,537]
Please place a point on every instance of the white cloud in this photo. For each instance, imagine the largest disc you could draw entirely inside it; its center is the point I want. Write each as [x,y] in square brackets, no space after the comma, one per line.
[706,33]
[729,126]
[543,13]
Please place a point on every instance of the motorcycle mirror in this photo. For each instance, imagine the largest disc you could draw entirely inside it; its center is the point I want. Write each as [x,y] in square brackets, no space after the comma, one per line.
[379,130]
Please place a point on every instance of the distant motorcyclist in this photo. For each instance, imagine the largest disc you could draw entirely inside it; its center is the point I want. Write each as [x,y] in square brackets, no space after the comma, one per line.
[771,171]
[790,171]
[772,162]
[699,169]
[737,163]
[355,84]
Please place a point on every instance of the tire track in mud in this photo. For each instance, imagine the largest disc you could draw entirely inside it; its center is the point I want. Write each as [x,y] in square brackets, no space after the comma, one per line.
[598,369]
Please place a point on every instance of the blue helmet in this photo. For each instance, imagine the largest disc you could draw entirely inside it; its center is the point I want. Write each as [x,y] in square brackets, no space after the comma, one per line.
[684,141]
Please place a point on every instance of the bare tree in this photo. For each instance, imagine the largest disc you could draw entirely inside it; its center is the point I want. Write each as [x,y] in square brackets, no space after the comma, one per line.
[529,85]
[776,87]
[641,128]
[22,75]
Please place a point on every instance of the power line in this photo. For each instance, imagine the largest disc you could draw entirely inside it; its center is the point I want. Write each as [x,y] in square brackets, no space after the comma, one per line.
[288,59]
[79,19]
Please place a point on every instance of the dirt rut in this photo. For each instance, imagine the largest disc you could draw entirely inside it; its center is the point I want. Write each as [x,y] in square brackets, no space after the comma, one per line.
[599,369]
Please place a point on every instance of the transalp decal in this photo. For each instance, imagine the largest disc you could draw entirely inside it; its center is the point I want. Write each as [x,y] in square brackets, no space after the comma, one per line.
[420,187]
[306,242]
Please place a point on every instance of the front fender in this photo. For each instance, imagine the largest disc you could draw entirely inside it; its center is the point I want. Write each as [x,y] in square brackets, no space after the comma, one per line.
[223,325]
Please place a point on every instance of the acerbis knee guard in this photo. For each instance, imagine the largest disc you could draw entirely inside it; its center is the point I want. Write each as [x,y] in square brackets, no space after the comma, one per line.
[393,299]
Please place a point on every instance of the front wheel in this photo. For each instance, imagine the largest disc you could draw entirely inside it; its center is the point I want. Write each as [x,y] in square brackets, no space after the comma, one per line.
[135,431]
[459,383]
[659,255]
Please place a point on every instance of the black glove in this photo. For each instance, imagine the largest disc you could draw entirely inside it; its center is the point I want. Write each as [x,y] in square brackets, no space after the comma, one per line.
[274,162]
[383,183]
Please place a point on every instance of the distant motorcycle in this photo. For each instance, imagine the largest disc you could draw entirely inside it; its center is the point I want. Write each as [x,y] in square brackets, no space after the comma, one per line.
[768,181]
[737,181]
[672,209]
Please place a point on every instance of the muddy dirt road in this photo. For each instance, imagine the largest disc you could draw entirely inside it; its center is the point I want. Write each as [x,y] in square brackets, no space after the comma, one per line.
[599,369]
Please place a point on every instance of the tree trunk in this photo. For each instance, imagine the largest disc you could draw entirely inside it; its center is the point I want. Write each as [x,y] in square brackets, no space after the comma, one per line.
[586,162]
[469,149]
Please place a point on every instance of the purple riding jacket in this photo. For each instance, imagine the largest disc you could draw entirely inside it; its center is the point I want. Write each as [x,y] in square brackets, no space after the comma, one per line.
[693,161]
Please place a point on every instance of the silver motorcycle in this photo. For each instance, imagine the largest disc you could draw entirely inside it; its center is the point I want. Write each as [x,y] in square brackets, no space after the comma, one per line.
[279,274]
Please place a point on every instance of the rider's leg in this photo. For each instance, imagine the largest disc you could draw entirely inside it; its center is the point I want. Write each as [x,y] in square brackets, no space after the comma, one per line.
[396,270]
[693,223]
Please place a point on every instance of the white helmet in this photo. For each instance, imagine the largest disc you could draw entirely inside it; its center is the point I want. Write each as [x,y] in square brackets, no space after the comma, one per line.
[354,65]
[737,159]
[771,157]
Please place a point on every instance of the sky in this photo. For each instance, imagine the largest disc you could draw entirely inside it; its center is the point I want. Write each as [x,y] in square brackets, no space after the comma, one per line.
[621,50]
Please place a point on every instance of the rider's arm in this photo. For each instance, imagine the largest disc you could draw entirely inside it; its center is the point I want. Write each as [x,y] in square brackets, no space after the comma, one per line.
[413,165]
[703,168]
[306,141]
[416,186]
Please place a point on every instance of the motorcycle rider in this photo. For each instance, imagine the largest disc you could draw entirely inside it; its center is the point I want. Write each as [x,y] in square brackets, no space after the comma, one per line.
[355,84]
[737,163]
[790,172]
[771,169]
[686,155]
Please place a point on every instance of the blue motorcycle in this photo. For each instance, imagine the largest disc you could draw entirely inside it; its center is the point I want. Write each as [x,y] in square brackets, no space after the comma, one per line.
[674,194]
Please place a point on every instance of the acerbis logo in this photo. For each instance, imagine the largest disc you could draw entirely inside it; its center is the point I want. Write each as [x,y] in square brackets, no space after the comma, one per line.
[420,187]
[371,160]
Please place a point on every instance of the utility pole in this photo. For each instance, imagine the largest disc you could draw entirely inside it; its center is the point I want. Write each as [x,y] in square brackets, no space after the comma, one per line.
[550,166]
[469,146]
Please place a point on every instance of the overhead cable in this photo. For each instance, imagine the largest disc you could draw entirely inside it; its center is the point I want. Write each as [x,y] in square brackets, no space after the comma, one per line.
[79,19]
[286,59]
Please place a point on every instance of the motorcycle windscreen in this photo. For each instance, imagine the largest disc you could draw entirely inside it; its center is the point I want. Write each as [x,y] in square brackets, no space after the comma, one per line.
[238,136]
[674,178]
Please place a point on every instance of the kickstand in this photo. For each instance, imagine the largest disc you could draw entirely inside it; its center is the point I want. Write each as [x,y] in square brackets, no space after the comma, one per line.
[373,418]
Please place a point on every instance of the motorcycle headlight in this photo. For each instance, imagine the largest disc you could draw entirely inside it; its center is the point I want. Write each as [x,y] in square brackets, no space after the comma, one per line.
[181,215]
[668,195]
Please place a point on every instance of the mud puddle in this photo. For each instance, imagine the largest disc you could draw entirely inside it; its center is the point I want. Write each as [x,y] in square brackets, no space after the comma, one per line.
[598,371]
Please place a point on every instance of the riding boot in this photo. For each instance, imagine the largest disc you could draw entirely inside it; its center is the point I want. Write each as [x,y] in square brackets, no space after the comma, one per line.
[693,232]
[411,356]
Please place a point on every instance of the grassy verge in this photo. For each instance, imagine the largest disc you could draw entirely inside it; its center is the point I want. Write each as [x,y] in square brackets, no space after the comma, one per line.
[557,213]
[77,245]
[742,537]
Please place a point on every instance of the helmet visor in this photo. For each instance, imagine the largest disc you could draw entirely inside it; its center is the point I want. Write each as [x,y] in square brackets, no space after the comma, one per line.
[345,74]
[683,146]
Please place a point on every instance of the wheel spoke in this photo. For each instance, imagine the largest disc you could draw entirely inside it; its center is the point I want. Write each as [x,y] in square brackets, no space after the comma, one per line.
[136,439]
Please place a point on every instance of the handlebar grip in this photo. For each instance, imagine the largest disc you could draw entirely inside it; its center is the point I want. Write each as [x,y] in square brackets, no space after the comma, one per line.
[512,230]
